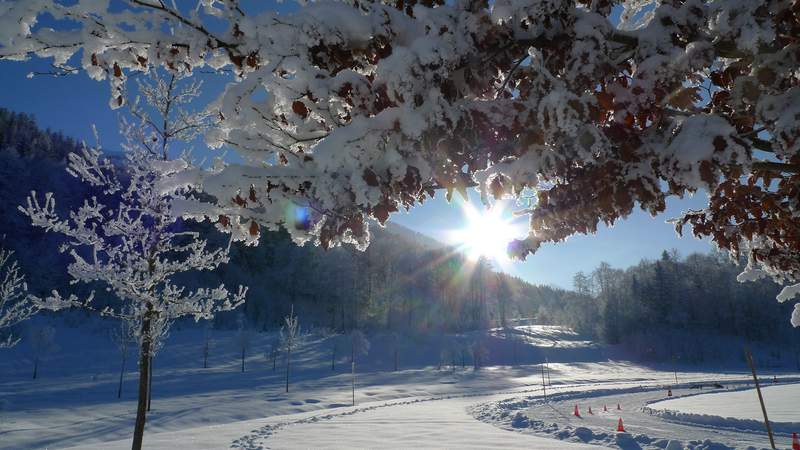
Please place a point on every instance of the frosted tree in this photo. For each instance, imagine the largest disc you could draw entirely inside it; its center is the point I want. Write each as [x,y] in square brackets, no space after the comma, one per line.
[16,304]
[359,346]
[274,351]
[42,344]
[290,332]
[129,238]
[374,105]
[123,335]
[243,339]
[331,335]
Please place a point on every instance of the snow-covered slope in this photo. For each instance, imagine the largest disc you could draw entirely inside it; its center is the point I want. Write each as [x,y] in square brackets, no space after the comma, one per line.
[73,402]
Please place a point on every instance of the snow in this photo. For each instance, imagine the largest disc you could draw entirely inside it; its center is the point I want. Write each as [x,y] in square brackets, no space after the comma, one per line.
[414,423]
[737,408]
[73,403]
[645,428]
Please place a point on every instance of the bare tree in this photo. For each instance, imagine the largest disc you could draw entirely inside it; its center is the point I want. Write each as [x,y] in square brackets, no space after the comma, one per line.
[243,339]
[16,304]
[331,334]
[126,236]
[289,335]
[123,336]
[42,344]
[274,351]
[479,354]
[359,345]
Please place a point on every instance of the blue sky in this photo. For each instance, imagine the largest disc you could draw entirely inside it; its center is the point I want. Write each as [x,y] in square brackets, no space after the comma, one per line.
[74,103]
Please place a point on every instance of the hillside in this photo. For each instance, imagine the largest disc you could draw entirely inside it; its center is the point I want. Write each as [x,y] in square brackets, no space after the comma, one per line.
[404,281]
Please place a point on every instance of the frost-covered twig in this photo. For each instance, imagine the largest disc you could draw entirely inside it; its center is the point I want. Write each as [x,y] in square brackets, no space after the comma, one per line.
[16,304]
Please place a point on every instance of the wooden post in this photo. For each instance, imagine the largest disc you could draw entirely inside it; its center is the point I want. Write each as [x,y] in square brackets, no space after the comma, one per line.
[674,370]
[760,397]
[547,364]
[544,385]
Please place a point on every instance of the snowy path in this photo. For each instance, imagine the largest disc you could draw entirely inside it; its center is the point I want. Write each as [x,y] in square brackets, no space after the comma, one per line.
[422,422]
[417,423]
[441,424]
[645,430]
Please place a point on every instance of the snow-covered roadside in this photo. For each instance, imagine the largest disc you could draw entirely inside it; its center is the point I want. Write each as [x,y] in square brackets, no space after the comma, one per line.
[532,415]
[735,410]
[73,402]
[424,422]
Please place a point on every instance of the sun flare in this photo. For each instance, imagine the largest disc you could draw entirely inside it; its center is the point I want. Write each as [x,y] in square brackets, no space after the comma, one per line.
[486,232]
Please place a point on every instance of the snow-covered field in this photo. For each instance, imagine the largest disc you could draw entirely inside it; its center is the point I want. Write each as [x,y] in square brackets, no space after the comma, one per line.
[782,402]
[736,410]
[73,403]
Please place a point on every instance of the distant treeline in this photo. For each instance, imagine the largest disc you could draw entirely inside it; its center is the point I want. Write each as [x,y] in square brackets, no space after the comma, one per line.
[657,306]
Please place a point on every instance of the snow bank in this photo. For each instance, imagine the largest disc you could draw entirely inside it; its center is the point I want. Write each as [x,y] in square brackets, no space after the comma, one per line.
[736,409]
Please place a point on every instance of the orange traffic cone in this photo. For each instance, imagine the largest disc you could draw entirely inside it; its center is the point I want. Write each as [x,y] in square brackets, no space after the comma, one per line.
[620,427]
[590,411]
[576,413]
[669,392]
[605,409]
[795,442]
[618,407]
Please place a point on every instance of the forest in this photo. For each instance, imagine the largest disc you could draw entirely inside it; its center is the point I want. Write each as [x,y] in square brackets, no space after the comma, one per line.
[653,307]
[407,282]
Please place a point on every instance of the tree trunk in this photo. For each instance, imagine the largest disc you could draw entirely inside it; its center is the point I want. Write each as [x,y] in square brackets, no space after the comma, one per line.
[35,367]
[288,364]
[150,383]
[121,373]
[333,357]
[242,360]
[144,372]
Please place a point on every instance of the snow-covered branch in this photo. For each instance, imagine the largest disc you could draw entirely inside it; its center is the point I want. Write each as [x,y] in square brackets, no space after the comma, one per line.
[347,111]
[16,304]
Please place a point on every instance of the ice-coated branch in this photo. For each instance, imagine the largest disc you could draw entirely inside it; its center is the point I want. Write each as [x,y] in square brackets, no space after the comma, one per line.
[16,304]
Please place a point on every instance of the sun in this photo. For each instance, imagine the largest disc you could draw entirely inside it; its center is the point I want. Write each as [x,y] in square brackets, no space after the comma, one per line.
[486,232]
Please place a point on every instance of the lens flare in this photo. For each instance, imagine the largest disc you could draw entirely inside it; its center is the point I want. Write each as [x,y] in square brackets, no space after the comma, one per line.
[487,232]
